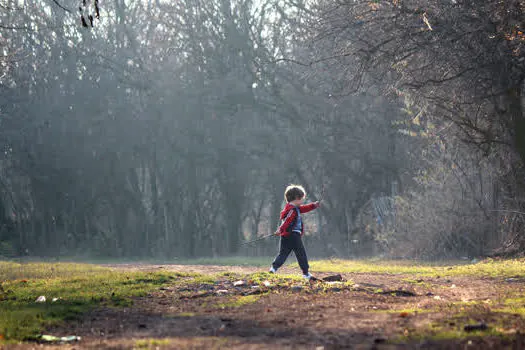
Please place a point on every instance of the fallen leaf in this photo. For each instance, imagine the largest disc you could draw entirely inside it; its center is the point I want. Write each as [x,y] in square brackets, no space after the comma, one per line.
[427,22]
[508,331]
[404,314]
[53,339]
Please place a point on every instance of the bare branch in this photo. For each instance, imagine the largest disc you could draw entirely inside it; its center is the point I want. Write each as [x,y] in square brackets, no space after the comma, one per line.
[62,7]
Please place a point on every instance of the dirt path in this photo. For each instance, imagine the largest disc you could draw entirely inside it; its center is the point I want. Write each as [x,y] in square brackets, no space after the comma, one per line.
[204,269]
[366,315]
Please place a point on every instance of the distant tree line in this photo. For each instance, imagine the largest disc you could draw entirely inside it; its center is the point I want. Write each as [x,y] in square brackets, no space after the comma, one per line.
[459,67]
[170,129]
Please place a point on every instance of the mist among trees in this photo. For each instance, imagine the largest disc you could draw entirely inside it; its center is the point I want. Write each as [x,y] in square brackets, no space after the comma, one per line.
[169,129]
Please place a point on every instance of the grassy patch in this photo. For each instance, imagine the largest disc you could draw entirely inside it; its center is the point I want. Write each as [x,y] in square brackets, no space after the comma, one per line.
[240,301]
[453,329]
[275,279]
[211,343]
[437,333]
[12,270]
[81,287]
[499,321]
[486,268]
[226,261]
[406,312]
[513,306]
[77,289]
[151,343]
[202,279]
[417,282]
[220,261]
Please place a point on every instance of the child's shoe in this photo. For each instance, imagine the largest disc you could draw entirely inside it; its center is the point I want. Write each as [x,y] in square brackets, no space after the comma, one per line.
[307,276]
[272,270]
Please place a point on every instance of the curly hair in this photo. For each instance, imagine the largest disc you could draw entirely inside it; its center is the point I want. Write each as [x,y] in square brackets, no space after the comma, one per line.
[294,192]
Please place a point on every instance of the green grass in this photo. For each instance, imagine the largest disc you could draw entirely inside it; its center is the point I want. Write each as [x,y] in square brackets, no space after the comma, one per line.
[486,268]
[239,301]
[502,316]
[151,343]
[227,261]
[417,282]
[514,305]
[79,287]
[405,311]
[260,277]
[220,261]
[38,270]
[437,333]
[452,328]
[202,279]
[82,287]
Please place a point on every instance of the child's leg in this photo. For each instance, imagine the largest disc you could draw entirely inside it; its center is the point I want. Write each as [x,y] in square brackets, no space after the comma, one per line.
[285,249]
[300,254]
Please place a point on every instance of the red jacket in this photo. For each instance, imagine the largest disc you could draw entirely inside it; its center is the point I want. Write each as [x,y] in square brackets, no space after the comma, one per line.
[288,215]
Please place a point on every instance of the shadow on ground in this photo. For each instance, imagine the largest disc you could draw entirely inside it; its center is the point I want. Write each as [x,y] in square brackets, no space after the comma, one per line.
[115,328]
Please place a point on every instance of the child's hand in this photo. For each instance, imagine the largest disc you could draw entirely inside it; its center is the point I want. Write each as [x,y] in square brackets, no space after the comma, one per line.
[277,233]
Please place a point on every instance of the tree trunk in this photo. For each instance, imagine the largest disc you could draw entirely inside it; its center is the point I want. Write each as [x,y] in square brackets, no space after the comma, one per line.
[516,113]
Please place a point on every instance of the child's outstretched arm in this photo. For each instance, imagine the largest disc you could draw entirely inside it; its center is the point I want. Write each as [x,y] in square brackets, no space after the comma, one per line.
[308,207]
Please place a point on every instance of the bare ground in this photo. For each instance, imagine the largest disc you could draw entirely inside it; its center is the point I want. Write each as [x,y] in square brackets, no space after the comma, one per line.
[317,316]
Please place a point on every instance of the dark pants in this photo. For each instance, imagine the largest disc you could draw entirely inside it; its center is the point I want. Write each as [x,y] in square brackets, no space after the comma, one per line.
[295,243]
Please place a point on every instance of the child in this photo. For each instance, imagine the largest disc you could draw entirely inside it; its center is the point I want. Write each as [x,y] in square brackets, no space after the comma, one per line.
[292,229]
